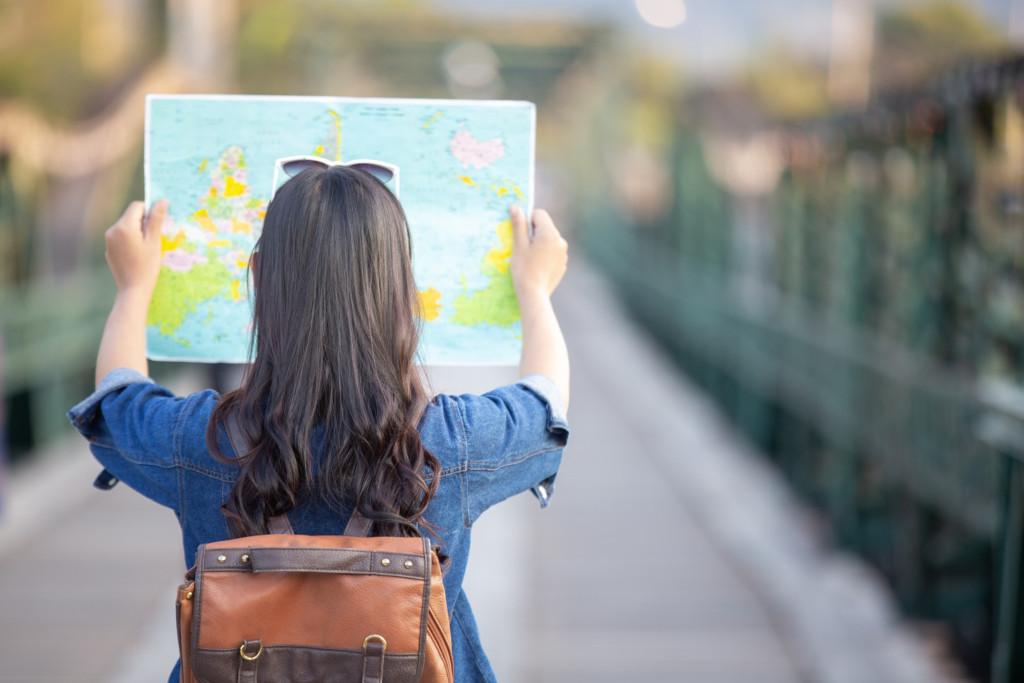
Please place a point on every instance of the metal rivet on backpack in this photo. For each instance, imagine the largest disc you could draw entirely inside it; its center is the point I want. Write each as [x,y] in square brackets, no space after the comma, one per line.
[222,558]
[188,596]
[385,562]
[408,564]
[245,558]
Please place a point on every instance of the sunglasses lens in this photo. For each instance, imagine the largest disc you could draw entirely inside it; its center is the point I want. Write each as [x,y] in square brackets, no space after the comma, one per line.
[296,166]
[381,173]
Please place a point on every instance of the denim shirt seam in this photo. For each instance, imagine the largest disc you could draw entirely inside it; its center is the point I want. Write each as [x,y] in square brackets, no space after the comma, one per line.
[467,519]
[182,504]
[182,464]
[212,474]
[179,429]
[130,457]
[101,442]
[455,469]
[78,420]
[512,460]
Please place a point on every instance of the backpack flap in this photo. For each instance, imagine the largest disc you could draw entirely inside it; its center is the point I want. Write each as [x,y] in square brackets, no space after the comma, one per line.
[310,608]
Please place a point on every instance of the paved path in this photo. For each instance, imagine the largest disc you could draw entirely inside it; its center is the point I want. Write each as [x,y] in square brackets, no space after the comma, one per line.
[670,552]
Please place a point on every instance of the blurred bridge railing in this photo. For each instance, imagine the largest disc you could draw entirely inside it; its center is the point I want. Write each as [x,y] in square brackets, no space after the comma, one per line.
[51,333]
[854,320]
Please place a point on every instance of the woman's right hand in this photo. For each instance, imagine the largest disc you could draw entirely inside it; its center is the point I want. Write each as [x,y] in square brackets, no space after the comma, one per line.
[539,262]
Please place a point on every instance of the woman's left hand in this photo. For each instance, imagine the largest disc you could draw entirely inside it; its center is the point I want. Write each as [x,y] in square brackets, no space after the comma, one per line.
[133,247]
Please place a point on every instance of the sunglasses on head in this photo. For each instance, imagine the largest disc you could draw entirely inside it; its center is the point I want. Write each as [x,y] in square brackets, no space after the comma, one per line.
[289,167]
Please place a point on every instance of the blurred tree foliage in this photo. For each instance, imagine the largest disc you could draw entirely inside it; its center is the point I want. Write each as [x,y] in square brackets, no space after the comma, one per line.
[655,87]
[912,44]
[916,42]
[788,86]
[390,48]
[68,57]
[361,48]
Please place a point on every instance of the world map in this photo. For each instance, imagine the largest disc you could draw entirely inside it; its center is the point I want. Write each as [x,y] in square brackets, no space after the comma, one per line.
[462,165]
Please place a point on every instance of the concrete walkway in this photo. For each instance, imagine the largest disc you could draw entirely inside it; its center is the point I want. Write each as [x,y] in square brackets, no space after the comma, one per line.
[670,552]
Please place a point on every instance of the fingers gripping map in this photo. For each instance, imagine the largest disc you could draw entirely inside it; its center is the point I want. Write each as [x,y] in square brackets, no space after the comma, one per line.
[461,164]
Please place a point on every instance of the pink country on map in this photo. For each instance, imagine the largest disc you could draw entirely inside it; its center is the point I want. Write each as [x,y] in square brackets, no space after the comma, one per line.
[479,153]
[183,261]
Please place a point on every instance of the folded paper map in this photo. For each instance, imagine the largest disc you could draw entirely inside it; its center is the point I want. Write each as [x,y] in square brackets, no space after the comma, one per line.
[462,164]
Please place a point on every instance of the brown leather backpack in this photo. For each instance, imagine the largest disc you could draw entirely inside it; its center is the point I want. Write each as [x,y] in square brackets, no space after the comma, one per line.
[283,607]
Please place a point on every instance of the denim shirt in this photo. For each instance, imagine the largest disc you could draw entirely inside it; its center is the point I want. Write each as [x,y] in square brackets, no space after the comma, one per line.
[490,447]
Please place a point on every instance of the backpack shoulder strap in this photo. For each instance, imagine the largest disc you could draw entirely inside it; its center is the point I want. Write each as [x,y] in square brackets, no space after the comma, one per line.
[275,525]
[358,525]
[279,525]
[239,443]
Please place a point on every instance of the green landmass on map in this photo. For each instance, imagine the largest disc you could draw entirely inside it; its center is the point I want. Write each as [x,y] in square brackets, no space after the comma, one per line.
[178,294]
[183,286]
[496,303]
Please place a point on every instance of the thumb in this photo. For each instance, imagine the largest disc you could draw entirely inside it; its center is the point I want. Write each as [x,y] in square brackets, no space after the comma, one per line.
[132,215]
[520,230]
[155,220]
[543,226]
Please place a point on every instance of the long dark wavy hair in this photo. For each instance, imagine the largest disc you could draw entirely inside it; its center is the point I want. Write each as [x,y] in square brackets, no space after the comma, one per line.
[333,349]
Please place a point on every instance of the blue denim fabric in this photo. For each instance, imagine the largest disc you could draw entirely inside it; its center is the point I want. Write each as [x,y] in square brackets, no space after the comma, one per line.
[490,447]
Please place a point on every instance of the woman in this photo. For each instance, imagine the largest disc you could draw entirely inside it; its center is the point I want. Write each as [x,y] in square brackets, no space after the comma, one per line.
[333,402]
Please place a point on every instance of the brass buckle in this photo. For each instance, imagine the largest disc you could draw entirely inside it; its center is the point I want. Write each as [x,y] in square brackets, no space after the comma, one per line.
[241,651]
[374,636]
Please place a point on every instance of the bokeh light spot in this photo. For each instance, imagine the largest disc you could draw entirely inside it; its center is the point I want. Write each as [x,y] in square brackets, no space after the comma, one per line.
[662,13]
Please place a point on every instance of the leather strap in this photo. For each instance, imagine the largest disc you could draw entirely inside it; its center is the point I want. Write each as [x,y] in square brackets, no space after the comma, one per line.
[239,443]
[373,661]
[325,561]
[279,525]
[248,660]
[358,525]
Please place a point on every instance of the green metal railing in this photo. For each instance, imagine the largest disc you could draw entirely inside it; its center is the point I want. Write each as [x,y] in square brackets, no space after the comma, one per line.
[51,333]
[859,343]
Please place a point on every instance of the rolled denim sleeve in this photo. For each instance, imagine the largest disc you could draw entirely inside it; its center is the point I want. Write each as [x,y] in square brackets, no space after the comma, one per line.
[513,439]
[130,423]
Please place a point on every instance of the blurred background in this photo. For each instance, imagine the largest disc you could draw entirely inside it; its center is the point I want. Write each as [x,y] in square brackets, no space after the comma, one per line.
[815,208]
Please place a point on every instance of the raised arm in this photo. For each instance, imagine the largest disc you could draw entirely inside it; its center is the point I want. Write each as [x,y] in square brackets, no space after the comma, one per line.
[538,264]
[133,254]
